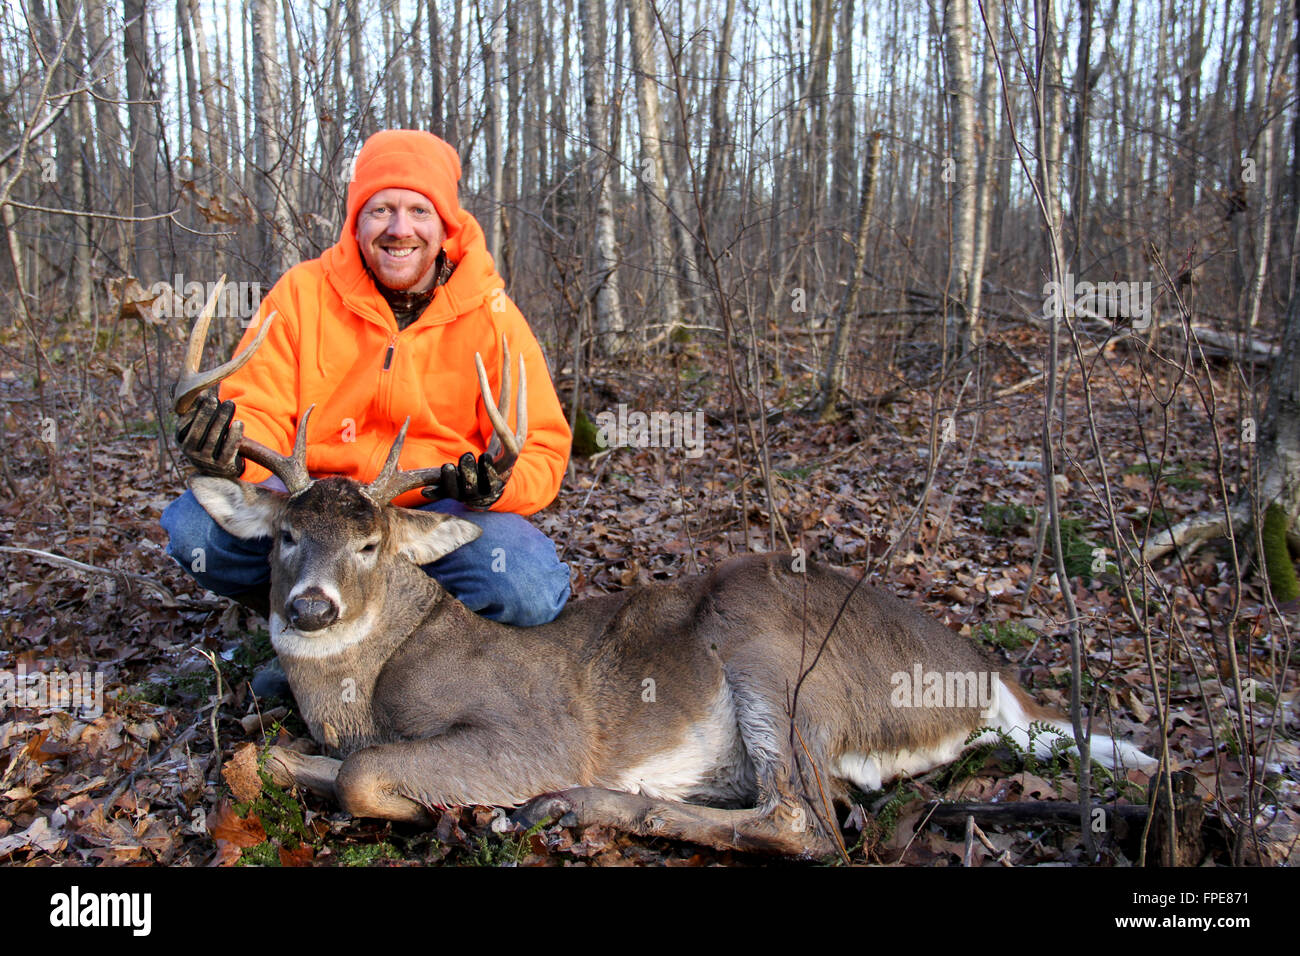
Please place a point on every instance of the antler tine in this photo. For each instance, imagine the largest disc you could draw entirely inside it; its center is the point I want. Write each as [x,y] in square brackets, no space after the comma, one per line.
[391,482]
[191,382]
[291,470]
[505,445]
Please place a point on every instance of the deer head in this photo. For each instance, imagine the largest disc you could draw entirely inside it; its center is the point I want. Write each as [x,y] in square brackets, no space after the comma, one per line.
[335,541]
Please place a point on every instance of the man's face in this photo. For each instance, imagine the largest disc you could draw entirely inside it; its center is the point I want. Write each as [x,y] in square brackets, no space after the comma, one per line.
[400,233]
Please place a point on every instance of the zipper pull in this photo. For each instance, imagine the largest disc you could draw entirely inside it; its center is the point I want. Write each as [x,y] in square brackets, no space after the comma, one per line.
[388,357]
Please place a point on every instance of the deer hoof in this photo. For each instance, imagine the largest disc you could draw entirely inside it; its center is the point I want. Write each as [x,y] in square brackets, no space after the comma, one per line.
[554,808]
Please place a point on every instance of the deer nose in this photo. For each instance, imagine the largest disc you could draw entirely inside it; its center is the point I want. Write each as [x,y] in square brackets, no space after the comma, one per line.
[311,610]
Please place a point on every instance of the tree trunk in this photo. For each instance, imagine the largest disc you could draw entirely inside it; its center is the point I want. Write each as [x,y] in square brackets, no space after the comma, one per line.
[1079,128]
[216,152]
[719,154]
[272,223]
[833,380]
[453,74]
[1280,434]
[961,124]
[652,173]
[493,125]
[437,107]
[989,112]
[609,313]
[198,148]
[1265,73]
[365,118]
[144,239]
[842,152]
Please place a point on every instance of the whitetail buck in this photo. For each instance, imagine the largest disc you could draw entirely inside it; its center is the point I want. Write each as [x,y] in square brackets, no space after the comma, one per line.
[731,709]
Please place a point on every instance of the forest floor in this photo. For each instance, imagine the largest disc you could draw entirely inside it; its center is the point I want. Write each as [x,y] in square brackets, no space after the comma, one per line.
[161,777]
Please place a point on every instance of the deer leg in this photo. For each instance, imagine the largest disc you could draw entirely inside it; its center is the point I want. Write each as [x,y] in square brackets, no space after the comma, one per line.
[399,781]
[288,768]
[786,828]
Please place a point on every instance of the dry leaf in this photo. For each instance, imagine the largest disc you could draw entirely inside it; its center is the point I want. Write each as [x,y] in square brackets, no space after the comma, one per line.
[240,772]
[223,824]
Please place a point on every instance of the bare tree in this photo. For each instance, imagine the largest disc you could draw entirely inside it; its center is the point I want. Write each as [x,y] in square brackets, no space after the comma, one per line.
[609,312]
[494,41]
[652,172]
[146,170]
[963,165]
[272,225]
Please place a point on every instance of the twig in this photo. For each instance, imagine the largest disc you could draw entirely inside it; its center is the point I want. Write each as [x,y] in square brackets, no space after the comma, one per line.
[216,703]
[126,577]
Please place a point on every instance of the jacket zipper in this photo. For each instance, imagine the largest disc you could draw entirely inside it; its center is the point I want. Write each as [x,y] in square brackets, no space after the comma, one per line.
[385,392]
[385,379]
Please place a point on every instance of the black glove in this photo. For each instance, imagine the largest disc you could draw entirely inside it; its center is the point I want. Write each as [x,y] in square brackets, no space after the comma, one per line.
[209,437]
[476,483]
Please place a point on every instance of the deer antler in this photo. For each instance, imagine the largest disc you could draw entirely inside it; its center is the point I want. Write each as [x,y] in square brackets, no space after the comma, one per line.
[503,448]
[191,383]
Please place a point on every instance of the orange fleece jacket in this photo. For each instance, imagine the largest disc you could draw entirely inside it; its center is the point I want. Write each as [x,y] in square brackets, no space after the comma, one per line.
[335,344]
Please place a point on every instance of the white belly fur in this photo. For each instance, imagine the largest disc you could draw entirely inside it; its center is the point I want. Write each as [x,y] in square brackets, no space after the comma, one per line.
[708,765]
[870,771]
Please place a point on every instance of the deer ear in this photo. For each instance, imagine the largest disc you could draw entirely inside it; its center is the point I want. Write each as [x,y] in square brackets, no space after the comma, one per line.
[425,536]
[244,510]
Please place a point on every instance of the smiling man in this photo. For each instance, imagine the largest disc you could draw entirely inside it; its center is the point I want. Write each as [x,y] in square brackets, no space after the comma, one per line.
[384,326]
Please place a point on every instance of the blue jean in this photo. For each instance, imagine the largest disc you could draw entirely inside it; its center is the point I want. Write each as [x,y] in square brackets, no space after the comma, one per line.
[532,590]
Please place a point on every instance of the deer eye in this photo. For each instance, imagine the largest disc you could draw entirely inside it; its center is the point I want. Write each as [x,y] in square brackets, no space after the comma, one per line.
[286,536]
[370,548]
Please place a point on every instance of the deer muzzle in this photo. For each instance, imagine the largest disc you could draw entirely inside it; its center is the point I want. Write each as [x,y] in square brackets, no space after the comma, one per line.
[312,610]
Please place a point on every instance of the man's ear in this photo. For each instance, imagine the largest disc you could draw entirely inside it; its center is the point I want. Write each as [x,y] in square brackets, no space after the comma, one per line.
[425,536]
[244,510]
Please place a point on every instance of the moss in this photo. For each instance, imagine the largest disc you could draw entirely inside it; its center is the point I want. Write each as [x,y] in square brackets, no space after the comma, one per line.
[255,651]
[1077,549]
[506,850]
[795,474]
[1277,560]
[1175,475]
[279,811]
[264,854]
[1008,635]
[586,437]
[174,689]
[368,855]
[1003,520]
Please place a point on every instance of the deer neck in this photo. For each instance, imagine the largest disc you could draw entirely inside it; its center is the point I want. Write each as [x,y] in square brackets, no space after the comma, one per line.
[333,672]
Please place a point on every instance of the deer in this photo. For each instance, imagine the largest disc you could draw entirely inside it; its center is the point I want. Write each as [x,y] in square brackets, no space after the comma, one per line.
[733,709]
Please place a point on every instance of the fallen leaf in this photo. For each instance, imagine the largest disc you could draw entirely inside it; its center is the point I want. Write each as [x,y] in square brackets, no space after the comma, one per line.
[240,772]
[225,825]
[39,835]
[302,856]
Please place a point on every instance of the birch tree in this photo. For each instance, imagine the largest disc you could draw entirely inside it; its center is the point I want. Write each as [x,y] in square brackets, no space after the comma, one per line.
[961,125]
[652,172]
[609,312]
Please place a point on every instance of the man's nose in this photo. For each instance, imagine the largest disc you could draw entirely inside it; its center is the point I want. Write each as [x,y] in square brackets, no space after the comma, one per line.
[400,224]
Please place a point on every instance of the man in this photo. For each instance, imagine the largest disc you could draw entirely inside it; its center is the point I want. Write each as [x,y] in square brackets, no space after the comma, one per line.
[384,325]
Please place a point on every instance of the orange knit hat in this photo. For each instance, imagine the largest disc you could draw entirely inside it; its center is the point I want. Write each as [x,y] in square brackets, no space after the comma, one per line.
[407,159]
